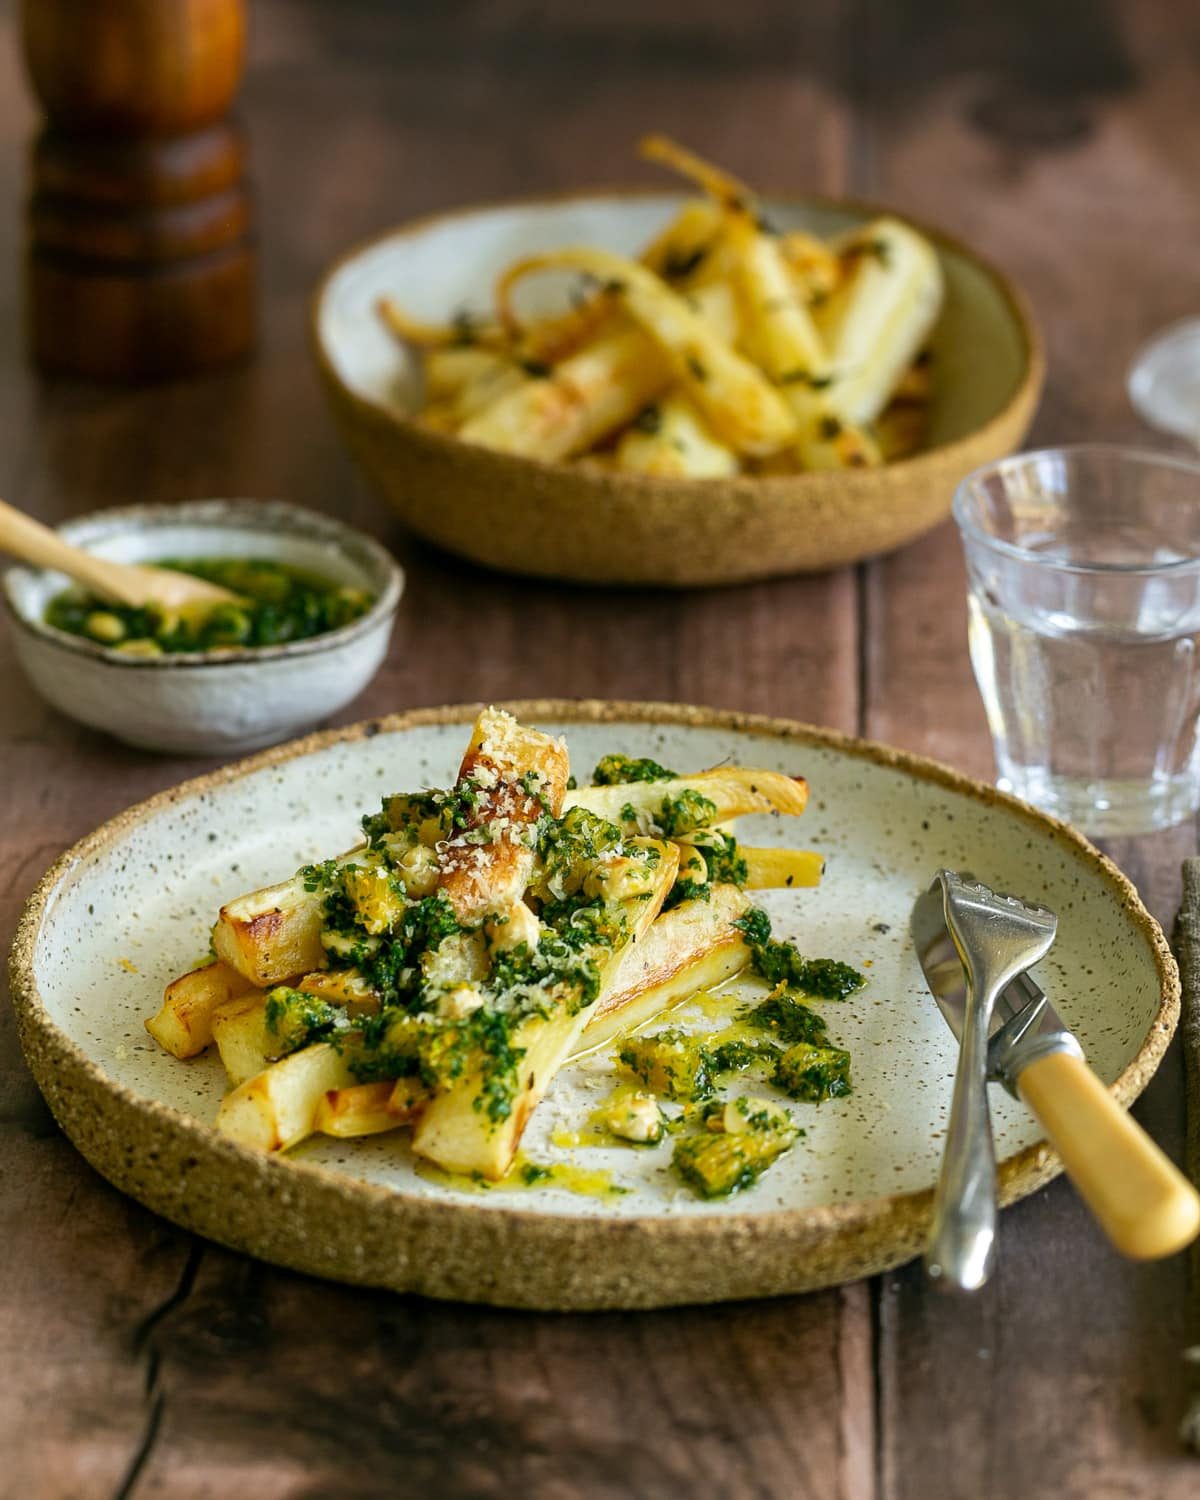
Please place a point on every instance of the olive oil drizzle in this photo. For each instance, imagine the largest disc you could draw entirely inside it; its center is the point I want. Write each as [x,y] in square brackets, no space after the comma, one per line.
[526,1175]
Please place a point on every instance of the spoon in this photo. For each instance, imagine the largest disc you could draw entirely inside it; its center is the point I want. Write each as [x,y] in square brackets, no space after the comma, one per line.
[123,583]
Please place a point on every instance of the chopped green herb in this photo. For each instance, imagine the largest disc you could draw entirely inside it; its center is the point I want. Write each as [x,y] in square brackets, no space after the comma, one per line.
[681,263]
[788,1019]
[781,963]
[829,979]
[813,1073]
[295,1019]
[716,1165]
[532,786]
[722,863]
[568,845]
[685,813]
[466,327]
[803,377]
[320,877]
[620,770]
[277,604]
[733,1057]
[679,1065]
[670,1063]
[879,248]
[723,859]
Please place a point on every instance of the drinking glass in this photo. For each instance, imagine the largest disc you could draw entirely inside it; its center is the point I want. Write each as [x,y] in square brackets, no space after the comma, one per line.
[1083,571]
[1164,380]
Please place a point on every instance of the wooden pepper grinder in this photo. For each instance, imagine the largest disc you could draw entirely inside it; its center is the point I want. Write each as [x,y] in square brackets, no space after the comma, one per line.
[141,262]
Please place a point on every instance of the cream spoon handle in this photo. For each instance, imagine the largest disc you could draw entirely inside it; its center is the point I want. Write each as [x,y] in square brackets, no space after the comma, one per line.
[21,536]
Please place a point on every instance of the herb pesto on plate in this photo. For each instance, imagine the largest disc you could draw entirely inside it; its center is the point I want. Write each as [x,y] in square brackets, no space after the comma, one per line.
[438,975]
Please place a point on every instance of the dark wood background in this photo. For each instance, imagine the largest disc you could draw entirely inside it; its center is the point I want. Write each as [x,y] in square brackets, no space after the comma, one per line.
[1062,139]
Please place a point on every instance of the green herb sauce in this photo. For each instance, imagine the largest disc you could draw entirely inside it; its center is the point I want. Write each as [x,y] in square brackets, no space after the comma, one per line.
[718,1164]
[782,963]
[723,864]
[409,1036]
[281,604]
[813,1073]
[620,770]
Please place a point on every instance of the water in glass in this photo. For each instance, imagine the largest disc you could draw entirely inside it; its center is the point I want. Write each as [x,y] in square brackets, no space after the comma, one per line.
[1085,647]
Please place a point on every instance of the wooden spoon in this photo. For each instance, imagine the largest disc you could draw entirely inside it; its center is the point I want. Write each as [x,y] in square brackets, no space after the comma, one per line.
[124,583]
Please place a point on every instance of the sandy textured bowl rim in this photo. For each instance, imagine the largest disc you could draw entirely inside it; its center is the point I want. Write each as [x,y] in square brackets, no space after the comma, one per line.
[883,1220]
[233,514]
[1017,303]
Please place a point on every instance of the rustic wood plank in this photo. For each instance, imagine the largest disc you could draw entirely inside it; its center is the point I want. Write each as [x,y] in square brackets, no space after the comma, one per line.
[147,1367]
[1064,1377]
[364,1395]
[83,1267]
[153,1366]
[919,691]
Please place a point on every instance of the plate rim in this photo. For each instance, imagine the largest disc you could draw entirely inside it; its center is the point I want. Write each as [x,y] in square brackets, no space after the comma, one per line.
[771,1253]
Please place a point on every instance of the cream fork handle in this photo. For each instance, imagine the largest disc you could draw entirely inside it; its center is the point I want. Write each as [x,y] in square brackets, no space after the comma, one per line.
[1140,1198]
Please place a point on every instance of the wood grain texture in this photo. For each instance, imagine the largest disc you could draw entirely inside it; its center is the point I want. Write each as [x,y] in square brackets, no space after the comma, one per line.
[362,1394]
[133,272]
[402,1397]
[142,1364]
[1064,1377]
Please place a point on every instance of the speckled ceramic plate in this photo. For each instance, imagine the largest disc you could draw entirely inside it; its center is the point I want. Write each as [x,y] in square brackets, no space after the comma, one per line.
[130,906]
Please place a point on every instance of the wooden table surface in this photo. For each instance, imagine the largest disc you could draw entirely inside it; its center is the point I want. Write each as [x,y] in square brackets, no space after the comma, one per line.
[139,1361]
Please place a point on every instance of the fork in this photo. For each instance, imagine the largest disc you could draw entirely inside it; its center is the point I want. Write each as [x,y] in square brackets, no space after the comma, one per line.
[997,938]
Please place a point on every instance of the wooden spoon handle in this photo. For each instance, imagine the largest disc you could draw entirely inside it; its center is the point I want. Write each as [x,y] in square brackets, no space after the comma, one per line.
[1142,1201]
[23,537]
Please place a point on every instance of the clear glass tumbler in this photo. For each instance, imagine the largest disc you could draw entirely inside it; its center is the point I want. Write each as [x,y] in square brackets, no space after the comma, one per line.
[1084,624]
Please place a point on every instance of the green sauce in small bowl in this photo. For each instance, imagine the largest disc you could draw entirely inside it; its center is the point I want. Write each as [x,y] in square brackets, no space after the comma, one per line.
[281,604]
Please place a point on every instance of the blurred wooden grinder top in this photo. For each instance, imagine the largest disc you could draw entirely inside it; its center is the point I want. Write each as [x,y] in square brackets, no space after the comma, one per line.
[141,260]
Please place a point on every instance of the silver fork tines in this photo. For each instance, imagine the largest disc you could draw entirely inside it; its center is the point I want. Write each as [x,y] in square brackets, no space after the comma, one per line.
[967,882]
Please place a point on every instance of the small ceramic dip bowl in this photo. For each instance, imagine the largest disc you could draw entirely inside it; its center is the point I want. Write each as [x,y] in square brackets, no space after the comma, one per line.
[220,701]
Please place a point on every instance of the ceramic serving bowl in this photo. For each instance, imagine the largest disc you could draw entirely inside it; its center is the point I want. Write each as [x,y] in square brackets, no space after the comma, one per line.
[559,520]
[209,702]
